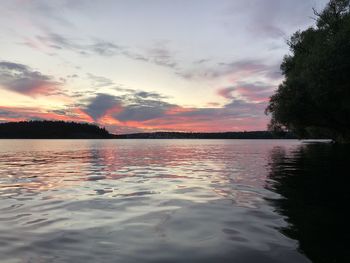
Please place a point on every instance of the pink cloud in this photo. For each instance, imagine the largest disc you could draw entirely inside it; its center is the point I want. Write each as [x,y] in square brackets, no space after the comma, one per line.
[29,113]
[226,92]
[22,79]
[253,92]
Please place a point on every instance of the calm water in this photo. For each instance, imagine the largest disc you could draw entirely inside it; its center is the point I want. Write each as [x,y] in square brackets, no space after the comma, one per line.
[173,201]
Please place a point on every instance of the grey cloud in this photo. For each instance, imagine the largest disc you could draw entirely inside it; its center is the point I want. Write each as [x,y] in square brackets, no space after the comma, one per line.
[122,89]
[143,94]
[241,109]
[60,42]
[249,67]
[273,31]
[143,110]
[13,66]
[235,109]
[105,48]
[227,92]
[135,106]
[72,76]
[60,112]
[274,74]
[273,18]
[99,81]
[137,96]
[158,55]
[139,113]
[201,61]
[22,79]
[99,105]
[146,94]
[135,56]
[9,114]
[256,87]
[138,106]
[55,46]
[203,114]
[162,56]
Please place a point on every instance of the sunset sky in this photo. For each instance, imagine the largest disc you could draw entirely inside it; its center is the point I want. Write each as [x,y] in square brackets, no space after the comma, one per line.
[146,65]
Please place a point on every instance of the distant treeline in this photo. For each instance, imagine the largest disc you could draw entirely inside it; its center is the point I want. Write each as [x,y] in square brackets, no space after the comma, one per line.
[73,130]
[196,135]
[51,130]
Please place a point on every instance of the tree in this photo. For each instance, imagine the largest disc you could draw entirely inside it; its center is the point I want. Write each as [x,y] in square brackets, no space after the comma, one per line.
[314,98]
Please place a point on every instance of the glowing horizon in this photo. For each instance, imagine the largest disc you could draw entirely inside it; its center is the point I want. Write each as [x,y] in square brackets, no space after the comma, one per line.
[132,66]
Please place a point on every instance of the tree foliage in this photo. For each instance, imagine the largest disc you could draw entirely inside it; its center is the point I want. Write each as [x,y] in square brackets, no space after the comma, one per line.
[314,98]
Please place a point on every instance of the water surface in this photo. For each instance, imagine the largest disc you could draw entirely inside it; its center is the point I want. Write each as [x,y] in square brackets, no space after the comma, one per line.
[173,201]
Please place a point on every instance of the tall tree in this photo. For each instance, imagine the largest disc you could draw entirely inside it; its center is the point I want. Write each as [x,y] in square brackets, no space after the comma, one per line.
[314,98]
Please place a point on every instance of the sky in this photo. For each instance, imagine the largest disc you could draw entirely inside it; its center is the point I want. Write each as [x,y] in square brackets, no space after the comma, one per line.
[146,65]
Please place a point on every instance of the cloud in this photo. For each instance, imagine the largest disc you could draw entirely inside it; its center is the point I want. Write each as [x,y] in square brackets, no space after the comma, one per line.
[270,19]
[32,113]
[98,106]
[236,115]
[270,31]
[99,81]
[145,110]
[254,92]
[136,111]
[133,106]
[161,56]
[139,113]
[226,92]
[147,95]
[235,70]
[246,68]
[158,54]
[10,115]
[201,61]
[22,79]
[60,42]
[249,65]
[57,41]
[104,48]
[242,108]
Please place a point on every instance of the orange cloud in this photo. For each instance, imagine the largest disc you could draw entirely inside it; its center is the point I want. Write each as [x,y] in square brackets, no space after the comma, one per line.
[24,113]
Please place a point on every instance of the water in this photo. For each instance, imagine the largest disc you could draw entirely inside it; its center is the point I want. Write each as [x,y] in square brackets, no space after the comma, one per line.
[173,201]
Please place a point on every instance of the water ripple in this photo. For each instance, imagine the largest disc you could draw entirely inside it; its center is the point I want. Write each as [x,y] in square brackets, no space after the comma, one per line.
[140,201]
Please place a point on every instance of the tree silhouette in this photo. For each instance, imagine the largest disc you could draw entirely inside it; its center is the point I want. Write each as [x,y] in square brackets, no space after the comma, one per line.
[51,130]
[314,98]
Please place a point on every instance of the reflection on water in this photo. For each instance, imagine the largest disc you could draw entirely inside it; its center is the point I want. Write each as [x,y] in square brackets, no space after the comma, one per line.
[171,201]
[314,183]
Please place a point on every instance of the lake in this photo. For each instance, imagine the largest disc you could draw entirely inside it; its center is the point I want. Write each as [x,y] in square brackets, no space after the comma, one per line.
[174,201]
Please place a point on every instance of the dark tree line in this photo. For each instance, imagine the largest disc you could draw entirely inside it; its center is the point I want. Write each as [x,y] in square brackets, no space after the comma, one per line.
[314,98]
[73,130]
[51,130]
[202,135]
